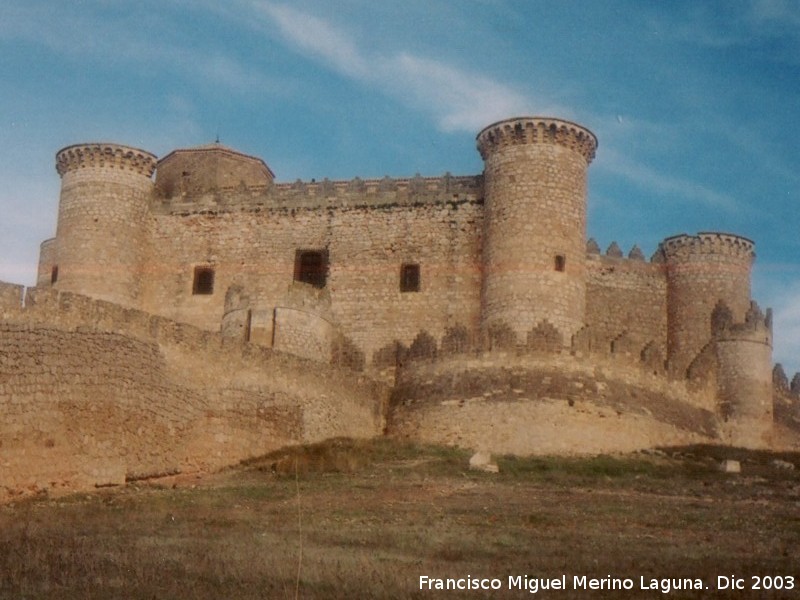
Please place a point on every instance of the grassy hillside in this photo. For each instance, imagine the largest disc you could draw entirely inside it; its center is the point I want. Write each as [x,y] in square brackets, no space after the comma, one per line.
[367,519]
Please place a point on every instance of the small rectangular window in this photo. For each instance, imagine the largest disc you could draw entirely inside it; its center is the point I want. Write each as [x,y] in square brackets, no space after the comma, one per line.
[560,262]
[409,278]
[54,275]
[311,266]
[203,284]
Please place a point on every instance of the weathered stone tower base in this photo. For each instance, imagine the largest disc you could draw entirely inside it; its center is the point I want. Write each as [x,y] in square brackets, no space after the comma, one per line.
[544,404]
[744,355]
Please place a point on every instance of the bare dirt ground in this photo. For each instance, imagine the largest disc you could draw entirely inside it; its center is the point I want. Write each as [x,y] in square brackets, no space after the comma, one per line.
[368,519]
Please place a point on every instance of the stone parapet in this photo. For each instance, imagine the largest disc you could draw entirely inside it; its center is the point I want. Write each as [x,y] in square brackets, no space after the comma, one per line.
[354,193]
[92,393]
[544,404]
[105,155]
[537,130]
[678,247]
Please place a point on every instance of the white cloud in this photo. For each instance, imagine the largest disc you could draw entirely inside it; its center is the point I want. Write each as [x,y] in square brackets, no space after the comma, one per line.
[318,39]
[463,101]
[460,100]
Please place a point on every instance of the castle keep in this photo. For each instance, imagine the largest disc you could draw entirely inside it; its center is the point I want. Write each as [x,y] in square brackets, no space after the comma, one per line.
[477,301]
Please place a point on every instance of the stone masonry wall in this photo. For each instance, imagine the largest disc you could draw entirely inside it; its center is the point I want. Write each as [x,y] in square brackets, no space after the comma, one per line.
[204,169]
[744,355]
[47,262]
[545,404]
[303,334]
[626,295]
[92,393]
[368,229]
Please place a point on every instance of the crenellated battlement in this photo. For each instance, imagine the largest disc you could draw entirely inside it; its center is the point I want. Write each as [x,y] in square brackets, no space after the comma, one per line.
[537,130]
[111,156]
[615,253]
[756,327]
[314,194]
[678,247]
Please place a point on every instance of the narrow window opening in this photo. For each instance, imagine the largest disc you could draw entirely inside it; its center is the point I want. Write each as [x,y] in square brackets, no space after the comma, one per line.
[311,266]
[409,278]
[560,262]
[54,275]
[203,284]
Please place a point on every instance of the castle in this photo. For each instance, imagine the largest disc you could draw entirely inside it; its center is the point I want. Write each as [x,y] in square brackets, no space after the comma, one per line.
[474,306]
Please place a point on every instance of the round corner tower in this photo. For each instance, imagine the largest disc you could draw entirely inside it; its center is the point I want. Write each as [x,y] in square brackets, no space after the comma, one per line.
[534,249]
[701,271]
[102,220]
[744,358]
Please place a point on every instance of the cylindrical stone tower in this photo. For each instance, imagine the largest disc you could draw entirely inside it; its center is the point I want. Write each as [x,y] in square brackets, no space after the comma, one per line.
[534,248]
[102,220]
[701,270]
[744,358]
[47,272]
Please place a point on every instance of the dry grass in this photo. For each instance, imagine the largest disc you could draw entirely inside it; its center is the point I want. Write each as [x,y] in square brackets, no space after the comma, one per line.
[377,515]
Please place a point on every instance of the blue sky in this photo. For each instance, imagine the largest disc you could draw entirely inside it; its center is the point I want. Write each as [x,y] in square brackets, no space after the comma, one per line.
[696,104]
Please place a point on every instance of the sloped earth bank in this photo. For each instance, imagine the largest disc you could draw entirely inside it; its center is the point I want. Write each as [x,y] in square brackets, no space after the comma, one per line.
[349,519]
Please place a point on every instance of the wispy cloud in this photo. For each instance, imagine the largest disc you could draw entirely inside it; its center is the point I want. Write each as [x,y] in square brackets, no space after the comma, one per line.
[660,183]
[785,12]
[745,25]
[318,39]
[458,99]
[98,35]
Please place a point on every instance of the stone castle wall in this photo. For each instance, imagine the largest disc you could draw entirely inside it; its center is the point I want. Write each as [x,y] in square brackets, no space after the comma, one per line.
[93,394]
[304,333]
[546,403]
[626,295]
[503,250]
[368,231]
